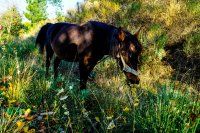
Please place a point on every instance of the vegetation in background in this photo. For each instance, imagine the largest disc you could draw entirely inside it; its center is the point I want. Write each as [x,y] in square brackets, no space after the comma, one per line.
[36,10]
[11,21]
[166,100]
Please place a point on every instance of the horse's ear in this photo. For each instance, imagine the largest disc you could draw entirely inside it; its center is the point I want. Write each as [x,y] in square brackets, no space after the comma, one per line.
[137,32]
[121,34]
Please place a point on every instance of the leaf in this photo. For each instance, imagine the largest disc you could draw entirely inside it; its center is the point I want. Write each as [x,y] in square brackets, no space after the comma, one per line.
[31,131]
[66,113]
[97,119]
[25,129]
[63,98]
[109,117]
[29,118]
[136,104]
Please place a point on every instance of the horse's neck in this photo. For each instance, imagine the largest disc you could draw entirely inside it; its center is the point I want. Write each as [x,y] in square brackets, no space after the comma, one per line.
[113,43]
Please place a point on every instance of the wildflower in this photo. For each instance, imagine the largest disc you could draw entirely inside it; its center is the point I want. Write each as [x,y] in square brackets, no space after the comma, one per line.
[126,109]
[11,101]
[27,112]
[111,125]
[20,125]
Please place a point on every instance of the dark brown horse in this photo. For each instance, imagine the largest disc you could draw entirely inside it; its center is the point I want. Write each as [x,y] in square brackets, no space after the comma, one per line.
[89,42]
[44,38]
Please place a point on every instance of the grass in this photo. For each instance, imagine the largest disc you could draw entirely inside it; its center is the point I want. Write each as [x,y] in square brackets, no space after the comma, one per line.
[32,103]
[166,100]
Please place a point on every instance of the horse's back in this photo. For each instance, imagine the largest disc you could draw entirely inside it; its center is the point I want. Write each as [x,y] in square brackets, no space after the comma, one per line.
[54,29]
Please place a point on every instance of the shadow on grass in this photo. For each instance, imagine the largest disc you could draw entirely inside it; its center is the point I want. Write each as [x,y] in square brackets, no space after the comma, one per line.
[187,68]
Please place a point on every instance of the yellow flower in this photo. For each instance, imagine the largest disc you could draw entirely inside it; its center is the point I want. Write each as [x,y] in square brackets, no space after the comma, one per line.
[126,109]
[27,112]
[20,125]
[11,101]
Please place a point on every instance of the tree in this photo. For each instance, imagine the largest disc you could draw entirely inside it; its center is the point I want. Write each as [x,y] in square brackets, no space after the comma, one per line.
[36,10]
[11,21]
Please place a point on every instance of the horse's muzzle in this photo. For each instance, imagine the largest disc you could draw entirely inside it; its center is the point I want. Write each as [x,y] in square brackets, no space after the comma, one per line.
[134,81]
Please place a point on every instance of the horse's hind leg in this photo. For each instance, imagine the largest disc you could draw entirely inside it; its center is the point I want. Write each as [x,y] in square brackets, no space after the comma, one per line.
[56,64]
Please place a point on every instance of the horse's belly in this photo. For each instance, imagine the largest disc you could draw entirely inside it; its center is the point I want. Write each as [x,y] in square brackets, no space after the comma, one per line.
[67,52]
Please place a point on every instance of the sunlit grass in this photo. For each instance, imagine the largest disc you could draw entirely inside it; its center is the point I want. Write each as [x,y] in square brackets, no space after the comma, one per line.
[158,104]
[162,102]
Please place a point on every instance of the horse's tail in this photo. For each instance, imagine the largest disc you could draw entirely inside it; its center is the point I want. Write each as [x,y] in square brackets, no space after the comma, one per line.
[41,37]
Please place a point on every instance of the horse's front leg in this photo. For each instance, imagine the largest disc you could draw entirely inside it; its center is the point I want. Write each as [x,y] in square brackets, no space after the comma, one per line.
[49,55]
[86,65]
[56,64]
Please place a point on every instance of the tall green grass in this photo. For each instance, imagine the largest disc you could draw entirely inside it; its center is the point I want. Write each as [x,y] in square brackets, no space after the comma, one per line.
[104,107]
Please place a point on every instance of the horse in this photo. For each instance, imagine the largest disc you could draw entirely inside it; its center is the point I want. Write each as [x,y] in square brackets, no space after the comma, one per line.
[89,42]
[44,38]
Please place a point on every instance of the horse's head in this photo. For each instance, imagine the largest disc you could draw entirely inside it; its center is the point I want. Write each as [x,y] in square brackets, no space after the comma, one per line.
[129,49]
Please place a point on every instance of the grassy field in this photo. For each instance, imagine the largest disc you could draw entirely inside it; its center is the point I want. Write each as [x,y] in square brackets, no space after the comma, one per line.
[32,103]
[167,99]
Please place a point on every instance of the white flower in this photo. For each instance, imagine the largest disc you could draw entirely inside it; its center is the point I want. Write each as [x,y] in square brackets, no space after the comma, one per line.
[111,125]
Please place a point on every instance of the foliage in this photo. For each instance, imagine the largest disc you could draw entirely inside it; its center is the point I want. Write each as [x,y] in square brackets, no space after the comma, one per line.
[36,10]
[166,100]
[98,10]
[11,21]
[56,3]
